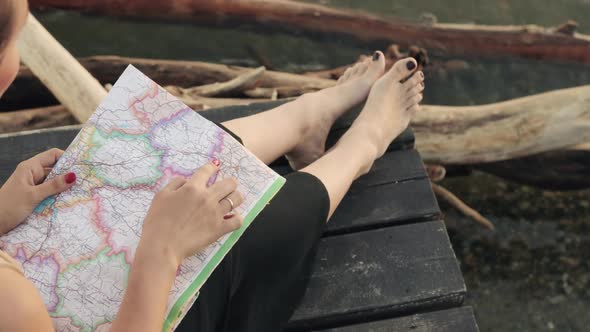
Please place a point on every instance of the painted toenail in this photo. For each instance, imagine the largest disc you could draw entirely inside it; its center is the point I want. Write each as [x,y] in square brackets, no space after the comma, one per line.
[410,65]
[376,56]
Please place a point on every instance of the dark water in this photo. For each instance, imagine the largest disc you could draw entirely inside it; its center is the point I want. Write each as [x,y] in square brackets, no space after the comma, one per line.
[532,274]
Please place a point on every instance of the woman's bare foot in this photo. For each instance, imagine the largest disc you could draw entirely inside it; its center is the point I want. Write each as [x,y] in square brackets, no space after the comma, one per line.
[388,110]
[356,70]
[320,109]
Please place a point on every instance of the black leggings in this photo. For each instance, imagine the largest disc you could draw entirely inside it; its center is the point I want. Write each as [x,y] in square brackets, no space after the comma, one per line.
[258,284]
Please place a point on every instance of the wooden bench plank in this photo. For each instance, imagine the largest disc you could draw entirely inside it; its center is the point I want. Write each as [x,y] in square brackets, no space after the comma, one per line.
[390,204]
[395,191]
[394,166]
[450,320]
[380,273]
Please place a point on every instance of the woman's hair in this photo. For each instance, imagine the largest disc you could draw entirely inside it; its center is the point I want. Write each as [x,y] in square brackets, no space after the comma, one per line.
[7,22]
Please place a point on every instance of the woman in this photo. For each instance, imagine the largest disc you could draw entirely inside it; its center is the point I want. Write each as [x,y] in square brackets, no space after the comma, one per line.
[188,215]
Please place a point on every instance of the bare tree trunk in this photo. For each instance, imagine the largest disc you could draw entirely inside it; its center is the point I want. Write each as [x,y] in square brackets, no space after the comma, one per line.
[520,127]
[59,71]
[553,44]
[191,73]
[238,84]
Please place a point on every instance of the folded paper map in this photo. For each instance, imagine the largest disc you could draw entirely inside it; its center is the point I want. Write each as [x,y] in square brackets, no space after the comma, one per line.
[77,247]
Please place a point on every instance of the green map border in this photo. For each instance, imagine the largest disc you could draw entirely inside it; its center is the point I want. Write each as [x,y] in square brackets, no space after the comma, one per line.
[194,287]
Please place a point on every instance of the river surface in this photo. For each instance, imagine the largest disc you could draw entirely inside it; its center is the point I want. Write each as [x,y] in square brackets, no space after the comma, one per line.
[532,274]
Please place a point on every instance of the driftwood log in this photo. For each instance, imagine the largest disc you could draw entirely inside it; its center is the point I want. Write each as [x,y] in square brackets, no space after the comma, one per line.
[516,128]
[237,84]
[184,74]
[72,85]
[553,44]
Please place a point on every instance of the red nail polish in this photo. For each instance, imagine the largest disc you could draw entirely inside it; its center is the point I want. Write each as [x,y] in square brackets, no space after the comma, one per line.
[70,178]
[228,216]
[216,162]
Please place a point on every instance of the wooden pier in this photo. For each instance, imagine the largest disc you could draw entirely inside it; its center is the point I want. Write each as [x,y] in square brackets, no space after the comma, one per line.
[385,262]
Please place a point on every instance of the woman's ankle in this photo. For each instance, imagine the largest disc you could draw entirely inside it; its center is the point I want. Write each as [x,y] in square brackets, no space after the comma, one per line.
[358,150]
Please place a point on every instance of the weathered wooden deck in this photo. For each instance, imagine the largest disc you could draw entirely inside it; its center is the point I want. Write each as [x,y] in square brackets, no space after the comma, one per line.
[385,262]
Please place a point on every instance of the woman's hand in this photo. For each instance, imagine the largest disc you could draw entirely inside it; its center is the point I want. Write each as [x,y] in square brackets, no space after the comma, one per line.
[187,215]
[25,188]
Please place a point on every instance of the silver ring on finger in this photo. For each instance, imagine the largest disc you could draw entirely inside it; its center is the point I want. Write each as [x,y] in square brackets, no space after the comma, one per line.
[231,203]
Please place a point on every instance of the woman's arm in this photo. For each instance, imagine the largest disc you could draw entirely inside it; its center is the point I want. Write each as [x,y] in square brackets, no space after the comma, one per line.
[150,280]
[184,218]
[21,307]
